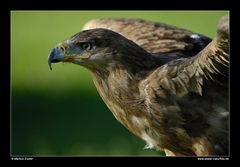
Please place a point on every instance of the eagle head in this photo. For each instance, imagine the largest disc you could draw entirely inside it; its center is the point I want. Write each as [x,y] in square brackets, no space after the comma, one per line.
[97,49]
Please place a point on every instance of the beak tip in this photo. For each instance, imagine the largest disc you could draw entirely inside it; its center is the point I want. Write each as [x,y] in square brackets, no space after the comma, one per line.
[49,64]
[56,55]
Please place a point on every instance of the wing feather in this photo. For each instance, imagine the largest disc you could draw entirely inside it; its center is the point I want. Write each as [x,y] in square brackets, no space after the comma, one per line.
[188,75]
[154,37]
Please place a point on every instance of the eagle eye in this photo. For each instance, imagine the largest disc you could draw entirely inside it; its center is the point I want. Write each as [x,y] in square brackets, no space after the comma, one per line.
[86,46]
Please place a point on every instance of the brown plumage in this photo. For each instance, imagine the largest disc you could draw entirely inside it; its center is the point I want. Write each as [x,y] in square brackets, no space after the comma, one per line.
[159,86]
[154,37]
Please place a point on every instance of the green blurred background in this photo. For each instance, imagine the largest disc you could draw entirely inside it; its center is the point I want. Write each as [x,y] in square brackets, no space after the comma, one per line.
[59,112]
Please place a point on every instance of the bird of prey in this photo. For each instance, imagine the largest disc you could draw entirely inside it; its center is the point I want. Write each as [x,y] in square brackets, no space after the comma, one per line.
[167,85]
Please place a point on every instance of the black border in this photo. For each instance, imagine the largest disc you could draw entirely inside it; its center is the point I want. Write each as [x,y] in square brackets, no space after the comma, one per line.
[93,5]
[118,5]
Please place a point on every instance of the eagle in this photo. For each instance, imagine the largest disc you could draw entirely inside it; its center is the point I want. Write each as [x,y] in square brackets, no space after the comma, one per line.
[166,85]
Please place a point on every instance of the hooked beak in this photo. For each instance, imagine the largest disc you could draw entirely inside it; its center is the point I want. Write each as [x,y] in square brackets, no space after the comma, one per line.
[56,55]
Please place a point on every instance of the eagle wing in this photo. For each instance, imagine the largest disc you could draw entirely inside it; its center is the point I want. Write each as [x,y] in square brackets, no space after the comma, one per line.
[192,94]
[185,75]
[154,37]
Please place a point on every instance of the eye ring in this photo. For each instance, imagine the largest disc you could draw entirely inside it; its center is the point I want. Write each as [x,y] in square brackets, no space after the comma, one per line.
[86,46]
